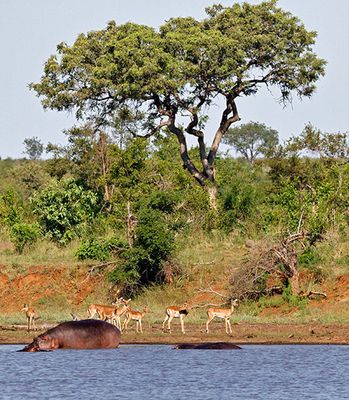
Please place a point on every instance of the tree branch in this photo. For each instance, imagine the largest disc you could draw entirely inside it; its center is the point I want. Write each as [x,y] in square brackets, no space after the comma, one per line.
[223,127]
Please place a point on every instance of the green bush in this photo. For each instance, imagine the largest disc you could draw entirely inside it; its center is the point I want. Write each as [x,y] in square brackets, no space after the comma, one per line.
[102,249]
[62,207]
[10,208]
[94,250]
[292,300]
[153,245]
[24,235]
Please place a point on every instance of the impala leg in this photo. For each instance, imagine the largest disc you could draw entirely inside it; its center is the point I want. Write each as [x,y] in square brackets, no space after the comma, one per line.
[140,326]
[182,323]
[33,324]
[169,323]
[227,326]
[127,320]
[163,324]
[118,323]
[208,321]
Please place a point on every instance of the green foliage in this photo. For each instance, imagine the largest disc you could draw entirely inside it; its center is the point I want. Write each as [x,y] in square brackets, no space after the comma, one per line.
[292,300]
[164,201]
[30,176]
[310,259]
[94,250]
[243,190]
[252,139]
[10,208]
[128,166]
[62,207]
[33,147]
[102,249]
[24,235]
[153,245]
[328,145]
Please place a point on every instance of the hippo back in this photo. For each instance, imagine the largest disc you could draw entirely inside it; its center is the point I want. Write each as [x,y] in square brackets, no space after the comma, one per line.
[84,334]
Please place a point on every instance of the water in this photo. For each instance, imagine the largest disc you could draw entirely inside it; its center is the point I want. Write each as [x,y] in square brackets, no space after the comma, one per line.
[159,372]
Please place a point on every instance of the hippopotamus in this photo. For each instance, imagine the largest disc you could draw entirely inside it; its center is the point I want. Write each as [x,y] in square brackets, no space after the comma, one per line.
[207,346]
[84,334]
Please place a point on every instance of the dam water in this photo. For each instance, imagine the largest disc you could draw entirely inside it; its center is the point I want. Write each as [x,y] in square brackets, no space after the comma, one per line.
[160,372]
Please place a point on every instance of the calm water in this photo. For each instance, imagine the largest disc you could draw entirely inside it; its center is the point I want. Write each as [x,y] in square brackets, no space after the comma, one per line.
[159,372]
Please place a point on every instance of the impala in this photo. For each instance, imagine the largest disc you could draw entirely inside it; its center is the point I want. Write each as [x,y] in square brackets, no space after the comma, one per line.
[224,313]
[30,314]
[175,312]
[119,312]
[101,310]
[135,316]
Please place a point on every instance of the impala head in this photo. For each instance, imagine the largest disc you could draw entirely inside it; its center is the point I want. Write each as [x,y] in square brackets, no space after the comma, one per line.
[25,307]
[125,302]
[118,301]
[146,309]
[185,305]
[234,302]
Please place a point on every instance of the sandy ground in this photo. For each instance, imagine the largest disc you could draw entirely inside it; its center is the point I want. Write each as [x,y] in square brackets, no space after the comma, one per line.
[242,334]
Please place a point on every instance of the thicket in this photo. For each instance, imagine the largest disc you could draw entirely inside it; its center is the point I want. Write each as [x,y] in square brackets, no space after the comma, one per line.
[134,213]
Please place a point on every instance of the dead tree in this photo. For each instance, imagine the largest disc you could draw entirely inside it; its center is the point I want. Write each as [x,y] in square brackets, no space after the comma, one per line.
[280,260]
[286,254]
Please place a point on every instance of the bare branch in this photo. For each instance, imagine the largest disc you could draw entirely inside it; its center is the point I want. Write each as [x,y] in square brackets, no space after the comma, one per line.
[152,130]
[212,291]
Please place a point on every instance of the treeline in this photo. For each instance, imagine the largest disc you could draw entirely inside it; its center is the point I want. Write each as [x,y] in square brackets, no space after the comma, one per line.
[133,203]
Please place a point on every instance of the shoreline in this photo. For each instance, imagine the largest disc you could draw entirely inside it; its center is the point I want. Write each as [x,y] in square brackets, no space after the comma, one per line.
[243,334]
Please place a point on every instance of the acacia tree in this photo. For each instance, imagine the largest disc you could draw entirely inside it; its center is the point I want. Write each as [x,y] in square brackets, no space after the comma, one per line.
[169,78]
[252,139]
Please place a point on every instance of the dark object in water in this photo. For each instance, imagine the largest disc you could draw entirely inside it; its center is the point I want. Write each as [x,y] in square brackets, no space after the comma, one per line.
[84,334]
[207,346]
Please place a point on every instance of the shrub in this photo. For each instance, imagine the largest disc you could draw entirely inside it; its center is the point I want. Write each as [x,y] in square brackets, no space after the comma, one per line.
[153,245]
[99,249]
[10,208]
[62,207]
[93,249]
[24,235]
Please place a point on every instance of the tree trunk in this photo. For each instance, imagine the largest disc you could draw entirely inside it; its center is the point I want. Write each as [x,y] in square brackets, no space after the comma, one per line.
[294,281]
[213,194]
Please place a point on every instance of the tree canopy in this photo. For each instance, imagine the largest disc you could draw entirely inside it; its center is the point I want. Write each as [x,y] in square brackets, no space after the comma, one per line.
[169,78]
[252,139]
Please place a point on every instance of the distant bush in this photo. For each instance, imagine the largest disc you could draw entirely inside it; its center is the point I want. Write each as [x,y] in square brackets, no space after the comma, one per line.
[24,235]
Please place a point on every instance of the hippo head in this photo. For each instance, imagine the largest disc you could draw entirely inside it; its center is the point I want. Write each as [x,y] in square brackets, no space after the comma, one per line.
[44,342]
[33,346]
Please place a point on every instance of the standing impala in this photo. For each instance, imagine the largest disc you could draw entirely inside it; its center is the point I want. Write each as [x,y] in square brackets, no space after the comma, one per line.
[135,316]
[30,314]
[119,312]
[102,311]
[175,312]
[224,313]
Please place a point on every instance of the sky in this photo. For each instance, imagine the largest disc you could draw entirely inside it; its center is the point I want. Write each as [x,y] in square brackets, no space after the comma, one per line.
[31,30]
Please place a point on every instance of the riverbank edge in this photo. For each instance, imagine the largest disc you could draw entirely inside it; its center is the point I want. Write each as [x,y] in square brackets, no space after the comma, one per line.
[243,334]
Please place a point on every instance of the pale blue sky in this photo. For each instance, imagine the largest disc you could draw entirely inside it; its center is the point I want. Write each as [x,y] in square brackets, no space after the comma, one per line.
[30,31]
